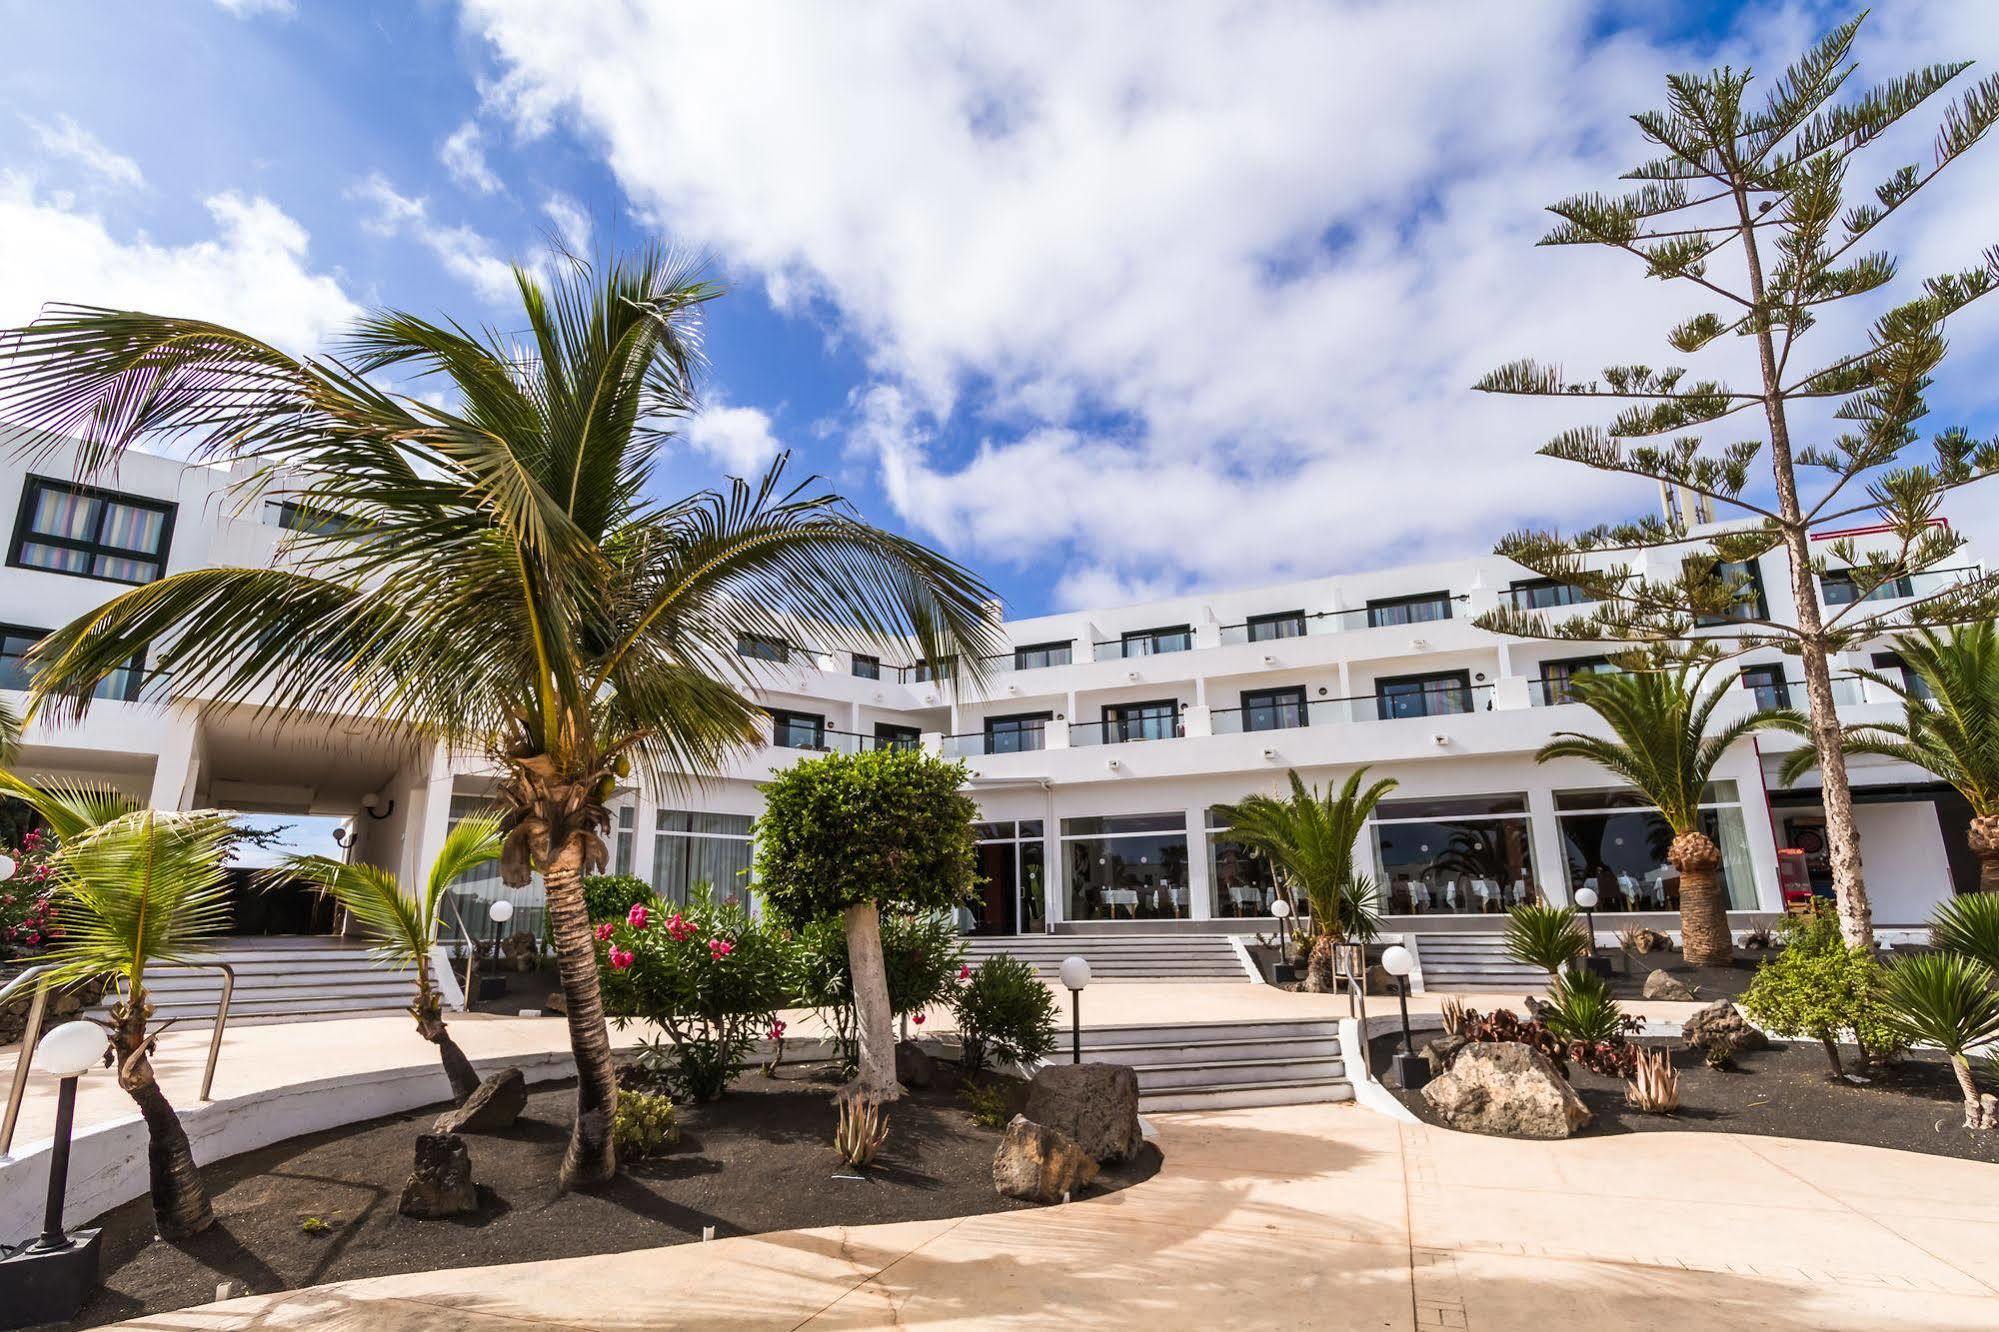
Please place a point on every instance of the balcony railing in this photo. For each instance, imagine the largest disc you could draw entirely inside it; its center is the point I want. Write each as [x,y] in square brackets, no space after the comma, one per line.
[1922,583]
[1127,730]
[1552,691]
[1144,645]
[1791,693]
[976,744]
[1403,616]
[1431,701]
[1036,658]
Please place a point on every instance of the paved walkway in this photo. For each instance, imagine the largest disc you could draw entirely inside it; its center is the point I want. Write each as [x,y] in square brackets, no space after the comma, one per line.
[1307,1216]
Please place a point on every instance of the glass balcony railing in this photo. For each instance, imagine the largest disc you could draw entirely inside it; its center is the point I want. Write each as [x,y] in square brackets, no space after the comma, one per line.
[1020,739]
[1400,614]
[1791,693]
[1441,700]
[1127,730]
[1145,645]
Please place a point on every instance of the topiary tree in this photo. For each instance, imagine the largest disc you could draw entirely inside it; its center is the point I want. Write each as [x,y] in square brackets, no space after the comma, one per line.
[850,835]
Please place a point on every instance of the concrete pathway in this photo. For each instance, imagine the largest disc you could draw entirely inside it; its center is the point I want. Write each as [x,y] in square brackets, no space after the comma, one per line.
[1307,1216]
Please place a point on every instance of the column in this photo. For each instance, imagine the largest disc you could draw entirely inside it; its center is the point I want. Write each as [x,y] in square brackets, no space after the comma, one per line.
[1200,884]
[1544,831]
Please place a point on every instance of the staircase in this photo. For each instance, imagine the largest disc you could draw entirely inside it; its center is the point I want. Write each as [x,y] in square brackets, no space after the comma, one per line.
[1152,957]
[1218,1065]
[281,976]
[1472,961]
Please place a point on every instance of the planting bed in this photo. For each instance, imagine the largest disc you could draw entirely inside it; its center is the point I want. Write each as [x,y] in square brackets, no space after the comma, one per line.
[1785,1092]
[1629,970]
[760,1159]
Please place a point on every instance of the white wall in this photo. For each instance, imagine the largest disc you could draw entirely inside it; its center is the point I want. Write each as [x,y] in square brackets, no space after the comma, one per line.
[1902,851]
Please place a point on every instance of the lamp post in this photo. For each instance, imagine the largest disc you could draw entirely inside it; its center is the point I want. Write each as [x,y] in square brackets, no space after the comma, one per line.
[1411,1070]
[500,911]
[1283,971]
[1075,975]
[47,1279]
[1586,899]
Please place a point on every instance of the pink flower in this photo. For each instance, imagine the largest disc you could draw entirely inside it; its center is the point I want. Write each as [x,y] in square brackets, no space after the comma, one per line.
[777,1031]
[638,916]
[604,932]
[720,948]
[965,972]
[917,1018]
[620,959]
[679,928]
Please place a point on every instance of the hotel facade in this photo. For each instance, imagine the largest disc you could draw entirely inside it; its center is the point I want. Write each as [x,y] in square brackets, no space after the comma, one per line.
[1103,747]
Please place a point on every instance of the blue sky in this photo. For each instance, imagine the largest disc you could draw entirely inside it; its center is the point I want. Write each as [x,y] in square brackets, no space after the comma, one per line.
[1109,300]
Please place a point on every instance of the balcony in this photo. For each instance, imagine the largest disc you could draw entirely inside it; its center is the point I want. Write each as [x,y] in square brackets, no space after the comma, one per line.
[826,740]
[1127,730]
[1398,614]
[1444,700]
[1033,657]
[1150,643]
[1020,739]
[1791,693]
[1838,588]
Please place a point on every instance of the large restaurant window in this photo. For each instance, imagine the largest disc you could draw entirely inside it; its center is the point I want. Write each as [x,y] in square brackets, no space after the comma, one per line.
[91,533]
[692,847]
[1128,867]
[1244,884]
[1614,842]
[472,892]
[1012,894]
[122,685]
[1459,855]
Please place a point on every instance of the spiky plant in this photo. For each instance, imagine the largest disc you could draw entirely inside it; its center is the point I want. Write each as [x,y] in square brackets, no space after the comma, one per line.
[1950,1002]
[1662,744]
[1654,1085]
[1581,1007]
[1547,937]
[1742,203]
[1969,927]
[136,889]
[405,925]
[861,1131]
[1308,838]
[1949,726]
[492,570]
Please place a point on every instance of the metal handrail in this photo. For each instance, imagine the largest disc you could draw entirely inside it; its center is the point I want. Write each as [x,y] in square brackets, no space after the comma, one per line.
[1357,1002]
[17,1089]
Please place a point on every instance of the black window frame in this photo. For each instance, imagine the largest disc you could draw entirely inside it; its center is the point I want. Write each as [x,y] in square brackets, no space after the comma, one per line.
[865,667]
[1766,680]
[1377,605]
[135,674]
[1757,609]
[32,487]
[1903,585]
[1255,624]
[1424,683]
[898,739]
[782,720]
[1121,716]
[1151,637]
[1271,703]
[1912,684]
[780,653]
[1555,689]
[1018,724]
[1066,646]
[1533,585]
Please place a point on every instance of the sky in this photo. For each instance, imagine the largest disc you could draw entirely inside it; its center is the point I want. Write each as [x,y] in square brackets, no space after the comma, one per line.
[1110,301]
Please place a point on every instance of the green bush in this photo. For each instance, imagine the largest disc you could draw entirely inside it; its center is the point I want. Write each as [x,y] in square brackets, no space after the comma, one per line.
[1005,1014]
[644,1125]
[986,1105]
[1818,988]
[1580,1008]
[1547,937]
[612,896]
[707,975]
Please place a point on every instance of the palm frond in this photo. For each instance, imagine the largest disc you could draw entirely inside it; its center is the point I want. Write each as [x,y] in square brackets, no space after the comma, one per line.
[142,889]
[70,808]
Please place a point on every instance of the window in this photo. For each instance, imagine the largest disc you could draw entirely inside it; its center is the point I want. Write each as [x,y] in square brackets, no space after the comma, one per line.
[122,685]
[797,730]
[1838,587]
[1746,577]
[1126,868]
[761,647]
[1017,733]
[1284,624]
[1616,844]
[1767,683]
[1543,593]
[1243,882]
[1273,709]
[1409,610]
[1557,675]
[472,892]
[691,847]
[293,516]
[1423,695]
[1152,642]
[1455,854]
[1036,655]
[866,667]
[924,671]
[91,533]
[627,830]
[890,736]
[1891,663]
[1157,720]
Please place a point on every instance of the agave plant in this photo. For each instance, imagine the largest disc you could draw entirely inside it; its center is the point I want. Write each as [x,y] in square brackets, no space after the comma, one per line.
[861,1131]
[1969,927]
[1950,1002]
[1308,838]
[1654,1085]
[136,889]
[1664,748]
[405,925]
[1547,937]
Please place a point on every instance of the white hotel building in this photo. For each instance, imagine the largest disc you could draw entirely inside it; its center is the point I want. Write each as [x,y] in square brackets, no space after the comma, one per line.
[1100,747]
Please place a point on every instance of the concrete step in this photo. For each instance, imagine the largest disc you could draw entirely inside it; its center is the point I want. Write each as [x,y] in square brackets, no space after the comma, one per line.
[1209,1051]
[319,1006]
[1242,1095]
[1155,1078]
[1208,957]
[1188,1066]
[1167,1033]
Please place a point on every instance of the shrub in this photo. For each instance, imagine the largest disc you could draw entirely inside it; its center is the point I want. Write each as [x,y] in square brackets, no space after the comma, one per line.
[1503,1026]
[27,901]
[644,1125]
[862,1130]
[1548,937]
[1580,1008]
[612,896]
[1005,1014]
[1950,1002]
[1818,988]
[922,953]
[1969,927]
[707,975]
[987,1105]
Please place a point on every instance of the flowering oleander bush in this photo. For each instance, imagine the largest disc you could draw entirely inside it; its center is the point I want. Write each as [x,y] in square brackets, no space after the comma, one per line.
[710,977]
[27,901]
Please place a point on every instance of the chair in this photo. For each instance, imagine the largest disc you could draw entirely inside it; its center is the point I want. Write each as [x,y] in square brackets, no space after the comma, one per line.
[1240,896]
[1170,899]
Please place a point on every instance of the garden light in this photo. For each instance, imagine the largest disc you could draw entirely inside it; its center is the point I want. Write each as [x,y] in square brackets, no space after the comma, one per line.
[47,1279]
[1075,975]
[1411,1071]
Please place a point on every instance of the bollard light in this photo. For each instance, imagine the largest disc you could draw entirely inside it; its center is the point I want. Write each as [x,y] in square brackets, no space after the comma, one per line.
[1586,899]
[501,911]
[1283,971]
[47,1279]
[1075,975]
[7,868]
[1410,1068]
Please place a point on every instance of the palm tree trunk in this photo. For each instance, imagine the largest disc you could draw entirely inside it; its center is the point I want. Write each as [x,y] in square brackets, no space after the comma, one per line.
[1704,933]
[1974,1110]
[875,1078]
[1320,976]
[430,1025]
[591,1158]
[180,1200]
[1984,838]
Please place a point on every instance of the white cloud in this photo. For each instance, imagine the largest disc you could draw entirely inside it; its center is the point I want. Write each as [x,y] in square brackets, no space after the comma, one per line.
[64,138]
[1184,293]
[571,222]
[249,8]
[464,156]
[253,273]
[464,252]
[738,439]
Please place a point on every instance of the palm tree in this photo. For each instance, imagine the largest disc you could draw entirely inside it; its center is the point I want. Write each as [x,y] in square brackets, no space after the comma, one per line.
[405,925]
[1951,1002]
[490,573]
[1950,726]
[1663,747]
[1309,840]
[136,888]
